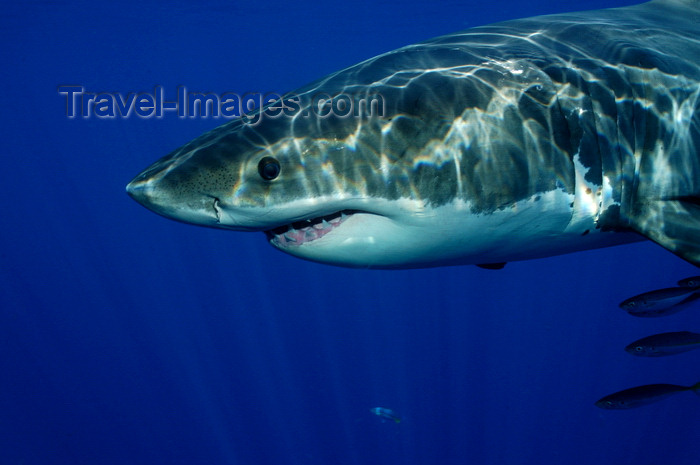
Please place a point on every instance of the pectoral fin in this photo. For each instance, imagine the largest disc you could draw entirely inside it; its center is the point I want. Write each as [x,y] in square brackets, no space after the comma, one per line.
[492,266]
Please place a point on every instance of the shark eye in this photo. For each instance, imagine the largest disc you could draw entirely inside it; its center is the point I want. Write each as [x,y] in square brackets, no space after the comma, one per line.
[269,168]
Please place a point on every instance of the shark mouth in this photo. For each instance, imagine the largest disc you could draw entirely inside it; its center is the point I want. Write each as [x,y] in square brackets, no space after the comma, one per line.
[302,232]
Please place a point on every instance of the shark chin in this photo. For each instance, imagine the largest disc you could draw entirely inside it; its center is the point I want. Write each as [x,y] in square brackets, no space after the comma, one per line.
[348,238]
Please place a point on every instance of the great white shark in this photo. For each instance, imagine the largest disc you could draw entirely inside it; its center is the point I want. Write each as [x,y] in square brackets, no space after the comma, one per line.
[518,140]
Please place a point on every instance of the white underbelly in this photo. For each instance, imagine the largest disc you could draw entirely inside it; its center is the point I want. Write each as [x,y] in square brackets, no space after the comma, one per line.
[452,234]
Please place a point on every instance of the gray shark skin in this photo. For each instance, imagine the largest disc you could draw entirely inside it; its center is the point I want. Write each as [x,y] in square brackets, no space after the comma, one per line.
[512,141]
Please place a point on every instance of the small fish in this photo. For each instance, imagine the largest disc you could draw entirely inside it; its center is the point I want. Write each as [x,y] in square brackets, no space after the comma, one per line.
[660,345]
[642,395]
[660,302]
[386,413]
[693,282]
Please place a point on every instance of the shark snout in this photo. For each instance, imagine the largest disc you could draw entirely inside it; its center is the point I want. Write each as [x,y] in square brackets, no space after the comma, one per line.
[144,192]
[139,190]
[168,201]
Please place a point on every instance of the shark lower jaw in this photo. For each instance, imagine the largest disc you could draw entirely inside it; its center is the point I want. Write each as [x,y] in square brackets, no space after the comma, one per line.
[401,235]
[348,238]
[307,231]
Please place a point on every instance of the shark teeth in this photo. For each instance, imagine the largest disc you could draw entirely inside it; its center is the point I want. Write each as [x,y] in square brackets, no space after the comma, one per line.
[302,232]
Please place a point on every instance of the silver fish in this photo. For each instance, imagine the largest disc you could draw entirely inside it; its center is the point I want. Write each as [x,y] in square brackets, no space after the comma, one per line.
[692,282]
[660,345]
[660,302]
[642,395]
[386,413]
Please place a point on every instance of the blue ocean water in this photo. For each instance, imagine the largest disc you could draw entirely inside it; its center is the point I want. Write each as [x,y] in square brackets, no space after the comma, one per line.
[126,338]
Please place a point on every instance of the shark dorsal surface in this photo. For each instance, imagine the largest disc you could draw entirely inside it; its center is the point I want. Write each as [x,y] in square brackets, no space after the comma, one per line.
[517,140]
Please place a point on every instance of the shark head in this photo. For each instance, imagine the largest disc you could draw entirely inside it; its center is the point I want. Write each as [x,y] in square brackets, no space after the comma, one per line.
[315,186]
[450,162]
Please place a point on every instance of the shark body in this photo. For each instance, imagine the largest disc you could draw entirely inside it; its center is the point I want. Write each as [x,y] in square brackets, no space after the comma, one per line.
[518,140]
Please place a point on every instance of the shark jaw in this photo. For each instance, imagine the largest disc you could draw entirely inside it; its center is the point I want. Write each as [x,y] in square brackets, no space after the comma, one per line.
[303,232]
[350,238]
